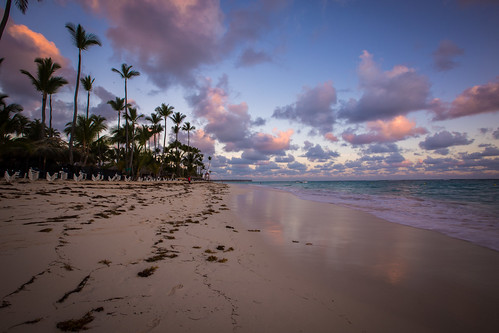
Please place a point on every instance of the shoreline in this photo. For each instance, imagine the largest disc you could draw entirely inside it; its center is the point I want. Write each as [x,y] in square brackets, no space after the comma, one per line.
[464,220]
[207,267]
[425,277]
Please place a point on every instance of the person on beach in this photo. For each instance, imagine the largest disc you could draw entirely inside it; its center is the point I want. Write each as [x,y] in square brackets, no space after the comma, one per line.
[189,179]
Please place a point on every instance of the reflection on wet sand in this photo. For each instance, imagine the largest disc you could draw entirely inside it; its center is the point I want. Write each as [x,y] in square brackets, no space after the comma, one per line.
[434,281]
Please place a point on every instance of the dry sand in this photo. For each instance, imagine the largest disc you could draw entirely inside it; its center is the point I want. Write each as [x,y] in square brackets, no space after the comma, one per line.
[74,251]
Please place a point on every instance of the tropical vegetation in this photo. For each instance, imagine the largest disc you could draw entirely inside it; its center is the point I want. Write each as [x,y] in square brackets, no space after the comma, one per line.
[131,147]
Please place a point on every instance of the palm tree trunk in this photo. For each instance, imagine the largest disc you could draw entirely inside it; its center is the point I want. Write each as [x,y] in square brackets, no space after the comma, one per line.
[5,18]
[126,128]
[131,154]
[71,139]
[44,105]
[119,117]
[50,115]
[88,101]
[164,138]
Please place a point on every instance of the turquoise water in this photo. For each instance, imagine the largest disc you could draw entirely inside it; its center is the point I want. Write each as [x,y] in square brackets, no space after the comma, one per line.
[464,209]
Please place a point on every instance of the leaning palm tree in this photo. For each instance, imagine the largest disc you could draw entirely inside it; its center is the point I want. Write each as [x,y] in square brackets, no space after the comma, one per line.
[188,127]
[82,41]
[45,69]
[126,73]
[87,83]
[21,4]
[165,111]
[54,84]
[8,118]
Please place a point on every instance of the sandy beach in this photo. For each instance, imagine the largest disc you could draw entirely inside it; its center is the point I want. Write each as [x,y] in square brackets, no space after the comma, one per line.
[208,257]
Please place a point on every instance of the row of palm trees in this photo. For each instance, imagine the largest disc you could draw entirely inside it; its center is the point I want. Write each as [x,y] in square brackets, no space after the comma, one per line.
[125,149]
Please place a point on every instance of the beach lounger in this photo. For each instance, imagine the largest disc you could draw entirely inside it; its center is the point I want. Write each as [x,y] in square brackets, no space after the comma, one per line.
[51,178]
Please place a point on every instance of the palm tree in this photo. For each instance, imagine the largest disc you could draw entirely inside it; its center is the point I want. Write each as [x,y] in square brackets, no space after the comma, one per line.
[126,73]
[82,41]
[118,105]
[133,117]
[177,119]
[21,4]
[156,127]
[8,118]
[143,135]
[42,82]
[87,132]
[188,127]
[87,83]
[165,111]
[53,86]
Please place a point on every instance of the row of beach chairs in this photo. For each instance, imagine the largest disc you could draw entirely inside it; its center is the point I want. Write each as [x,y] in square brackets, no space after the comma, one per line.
[34,175]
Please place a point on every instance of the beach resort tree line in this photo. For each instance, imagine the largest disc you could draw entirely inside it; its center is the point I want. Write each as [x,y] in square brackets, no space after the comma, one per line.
[130,149]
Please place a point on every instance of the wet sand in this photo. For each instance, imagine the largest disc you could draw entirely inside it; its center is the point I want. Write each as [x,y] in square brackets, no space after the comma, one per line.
[388,277]
[205,257]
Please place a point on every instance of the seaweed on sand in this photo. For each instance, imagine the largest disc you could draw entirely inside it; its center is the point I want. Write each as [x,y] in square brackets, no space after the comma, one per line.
[105,262]
[76,325]
[147,272]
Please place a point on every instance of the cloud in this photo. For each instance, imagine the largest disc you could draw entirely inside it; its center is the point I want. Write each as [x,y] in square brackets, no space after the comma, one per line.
[204,142]
[272,144]
[386,94]
[174,46]
[251,156]
[475,100]
[313,107]
[444,139]
[285,159]
[496,134]
[330,137]
[251,57]
[20,47]
[227,123]
[182,36]
[380,148]
[231,124]
[316,153]
[297,166]
[443,56]
[259,121]
[246,24]
[103,109]
[398,128]
[488,152]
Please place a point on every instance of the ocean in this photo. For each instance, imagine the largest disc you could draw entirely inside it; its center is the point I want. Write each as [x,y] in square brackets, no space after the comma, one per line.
[463,209]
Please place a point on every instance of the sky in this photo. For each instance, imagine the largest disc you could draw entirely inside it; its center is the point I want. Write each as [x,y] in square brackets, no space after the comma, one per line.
[286,89]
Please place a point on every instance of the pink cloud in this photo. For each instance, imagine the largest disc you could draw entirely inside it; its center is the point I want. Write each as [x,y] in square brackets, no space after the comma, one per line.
[475,100]
[226,122]
[330,137]
[386,94]
[398,128]
[20,47]
[204,142]
[181,35]
[231,124]
[268,143]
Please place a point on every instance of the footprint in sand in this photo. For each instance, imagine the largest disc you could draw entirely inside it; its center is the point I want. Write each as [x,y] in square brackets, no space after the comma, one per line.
[174,289]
